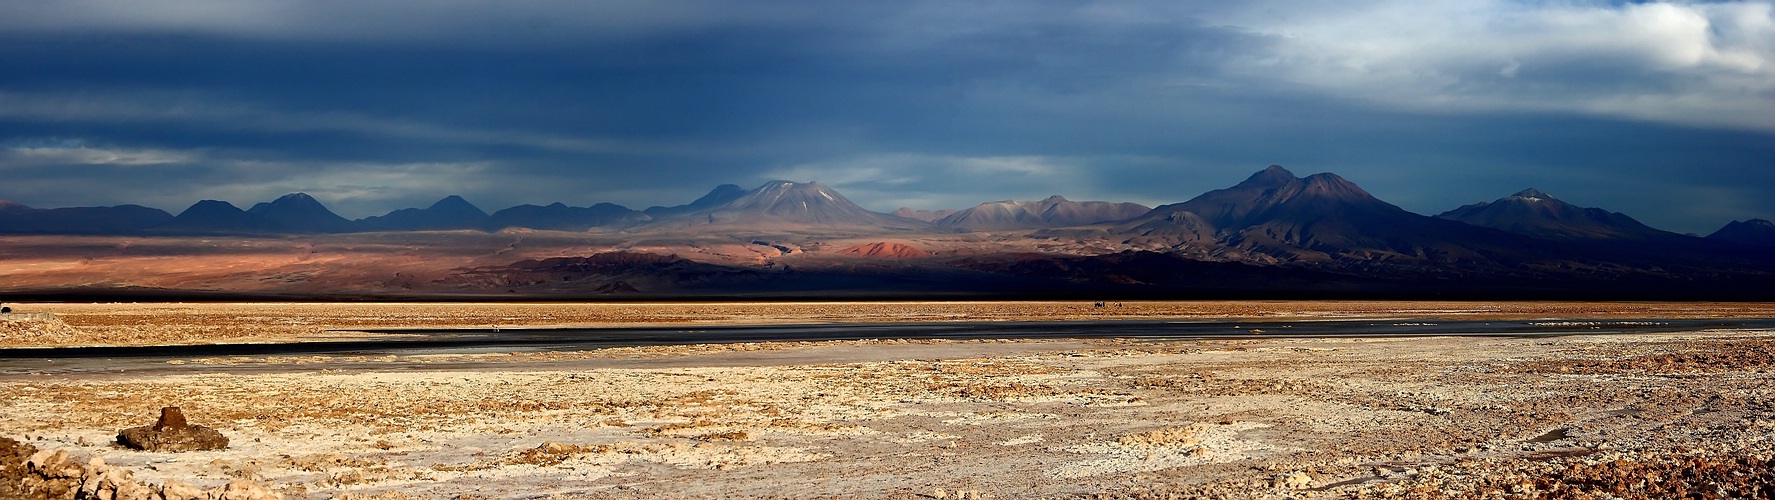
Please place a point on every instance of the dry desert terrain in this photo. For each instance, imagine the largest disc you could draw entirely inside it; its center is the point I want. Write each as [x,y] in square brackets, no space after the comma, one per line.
[1655,415]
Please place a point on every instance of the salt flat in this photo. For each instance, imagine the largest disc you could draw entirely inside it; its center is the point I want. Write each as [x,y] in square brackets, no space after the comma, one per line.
[1108,418]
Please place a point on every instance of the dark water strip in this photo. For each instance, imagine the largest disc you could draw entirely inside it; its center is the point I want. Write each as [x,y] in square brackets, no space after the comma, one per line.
[557,339]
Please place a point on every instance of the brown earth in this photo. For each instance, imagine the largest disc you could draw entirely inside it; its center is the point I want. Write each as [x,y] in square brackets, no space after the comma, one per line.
[199,323]
[1629,416]
[886,250]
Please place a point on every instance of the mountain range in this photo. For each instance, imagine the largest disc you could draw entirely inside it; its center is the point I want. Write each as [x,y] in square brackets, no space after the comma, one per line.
[1321,217]
[1271,208]
[1274,231]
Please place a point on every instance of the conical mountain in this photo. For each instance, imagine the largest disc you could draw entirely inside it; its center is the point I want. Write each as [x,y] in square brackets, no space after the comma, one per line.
[1534,213]
[452,212]
[218,217]
[1756,232]
[721,195]
[560,217]
[785,202]
[1054,211]
[298,212]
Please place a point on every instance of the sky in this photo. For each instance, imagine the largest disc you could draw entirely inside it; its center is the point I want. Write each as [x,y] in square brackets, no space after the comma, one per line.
[1663,111]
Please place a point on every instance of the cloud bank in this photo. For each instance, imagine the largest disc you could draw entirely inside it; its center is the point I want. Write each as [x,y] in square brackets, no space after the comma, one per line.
[376,105]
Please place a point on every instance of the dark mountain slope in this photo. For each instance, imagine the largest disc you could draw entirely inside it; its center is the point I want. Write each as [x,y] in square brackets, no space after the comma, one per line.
[298,212]
[452,212]
[1754,232]
[218,217]
[1534,213]
[1325,218]
[122,219]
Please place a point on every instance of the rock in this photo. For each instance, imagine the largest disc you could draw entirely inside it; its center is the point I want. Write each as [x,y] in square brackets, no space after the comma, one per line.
[37,330]
[241,489]
[1296,480]
[175,490]
[26,472]
[170,417]
[55,465]
[172,433]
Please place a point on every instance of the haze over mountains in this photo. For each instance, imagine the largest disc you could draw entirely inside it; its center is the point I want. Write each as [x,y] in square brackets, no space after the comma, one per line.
[1054,211]
[1274,232]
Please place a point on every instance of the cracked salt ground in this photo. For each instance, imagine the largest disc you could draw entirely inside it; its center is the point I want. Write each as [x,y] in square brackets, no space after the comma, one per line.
[1431,417]
[1170,447]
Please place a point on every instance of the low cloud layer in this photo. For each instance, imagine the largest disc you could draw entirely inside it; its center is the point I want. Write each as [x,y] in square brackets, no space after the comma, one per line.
[1662,110]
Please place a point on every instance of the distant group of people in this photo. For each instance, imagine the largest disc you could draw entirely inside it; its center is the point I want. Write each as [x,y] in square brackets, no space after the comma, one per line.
[1106,304]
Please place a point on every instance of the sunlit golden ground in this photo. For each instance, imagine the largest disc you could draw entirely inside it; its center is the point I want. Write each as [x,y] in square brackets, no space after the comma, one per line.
[190,323]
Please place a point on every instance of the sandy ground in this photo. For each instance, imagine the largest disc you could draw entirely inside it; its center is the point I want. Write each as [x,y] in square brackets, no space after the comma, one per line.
[1629,416]
[199,323]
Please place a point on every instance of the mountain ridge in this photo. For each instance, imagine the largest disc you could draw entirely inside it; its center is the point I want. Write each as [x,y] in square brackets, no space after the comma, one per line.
[1269,211]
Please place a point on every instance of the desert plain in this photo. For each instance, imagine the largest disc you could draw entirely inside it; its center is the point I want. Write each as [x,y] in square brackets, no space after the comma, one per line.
[1640,415]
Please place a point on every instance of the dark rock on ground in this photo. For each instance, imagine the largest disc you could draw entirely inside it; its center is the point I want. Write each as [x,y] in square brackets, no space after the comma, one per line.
[172,433]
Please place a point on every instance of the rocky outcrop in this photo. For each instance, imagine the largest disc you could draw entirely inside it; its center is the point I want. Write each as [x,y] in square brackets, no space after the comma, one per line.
[29,473]
[36,330]
[172,433]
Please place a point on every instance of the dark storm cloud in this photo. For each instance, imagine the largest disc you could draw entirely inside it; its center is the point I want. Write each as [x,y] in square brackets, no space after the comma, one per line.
[373,106]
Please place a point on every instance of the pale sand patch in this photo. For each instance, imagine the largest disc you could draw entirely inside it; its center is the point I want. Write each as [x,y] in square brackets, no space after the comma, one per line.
[1193,445]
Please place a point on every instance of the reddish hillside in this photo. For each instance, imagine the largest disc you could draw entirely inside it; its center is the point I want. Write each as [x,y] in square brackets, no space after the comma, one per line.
[885,250]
